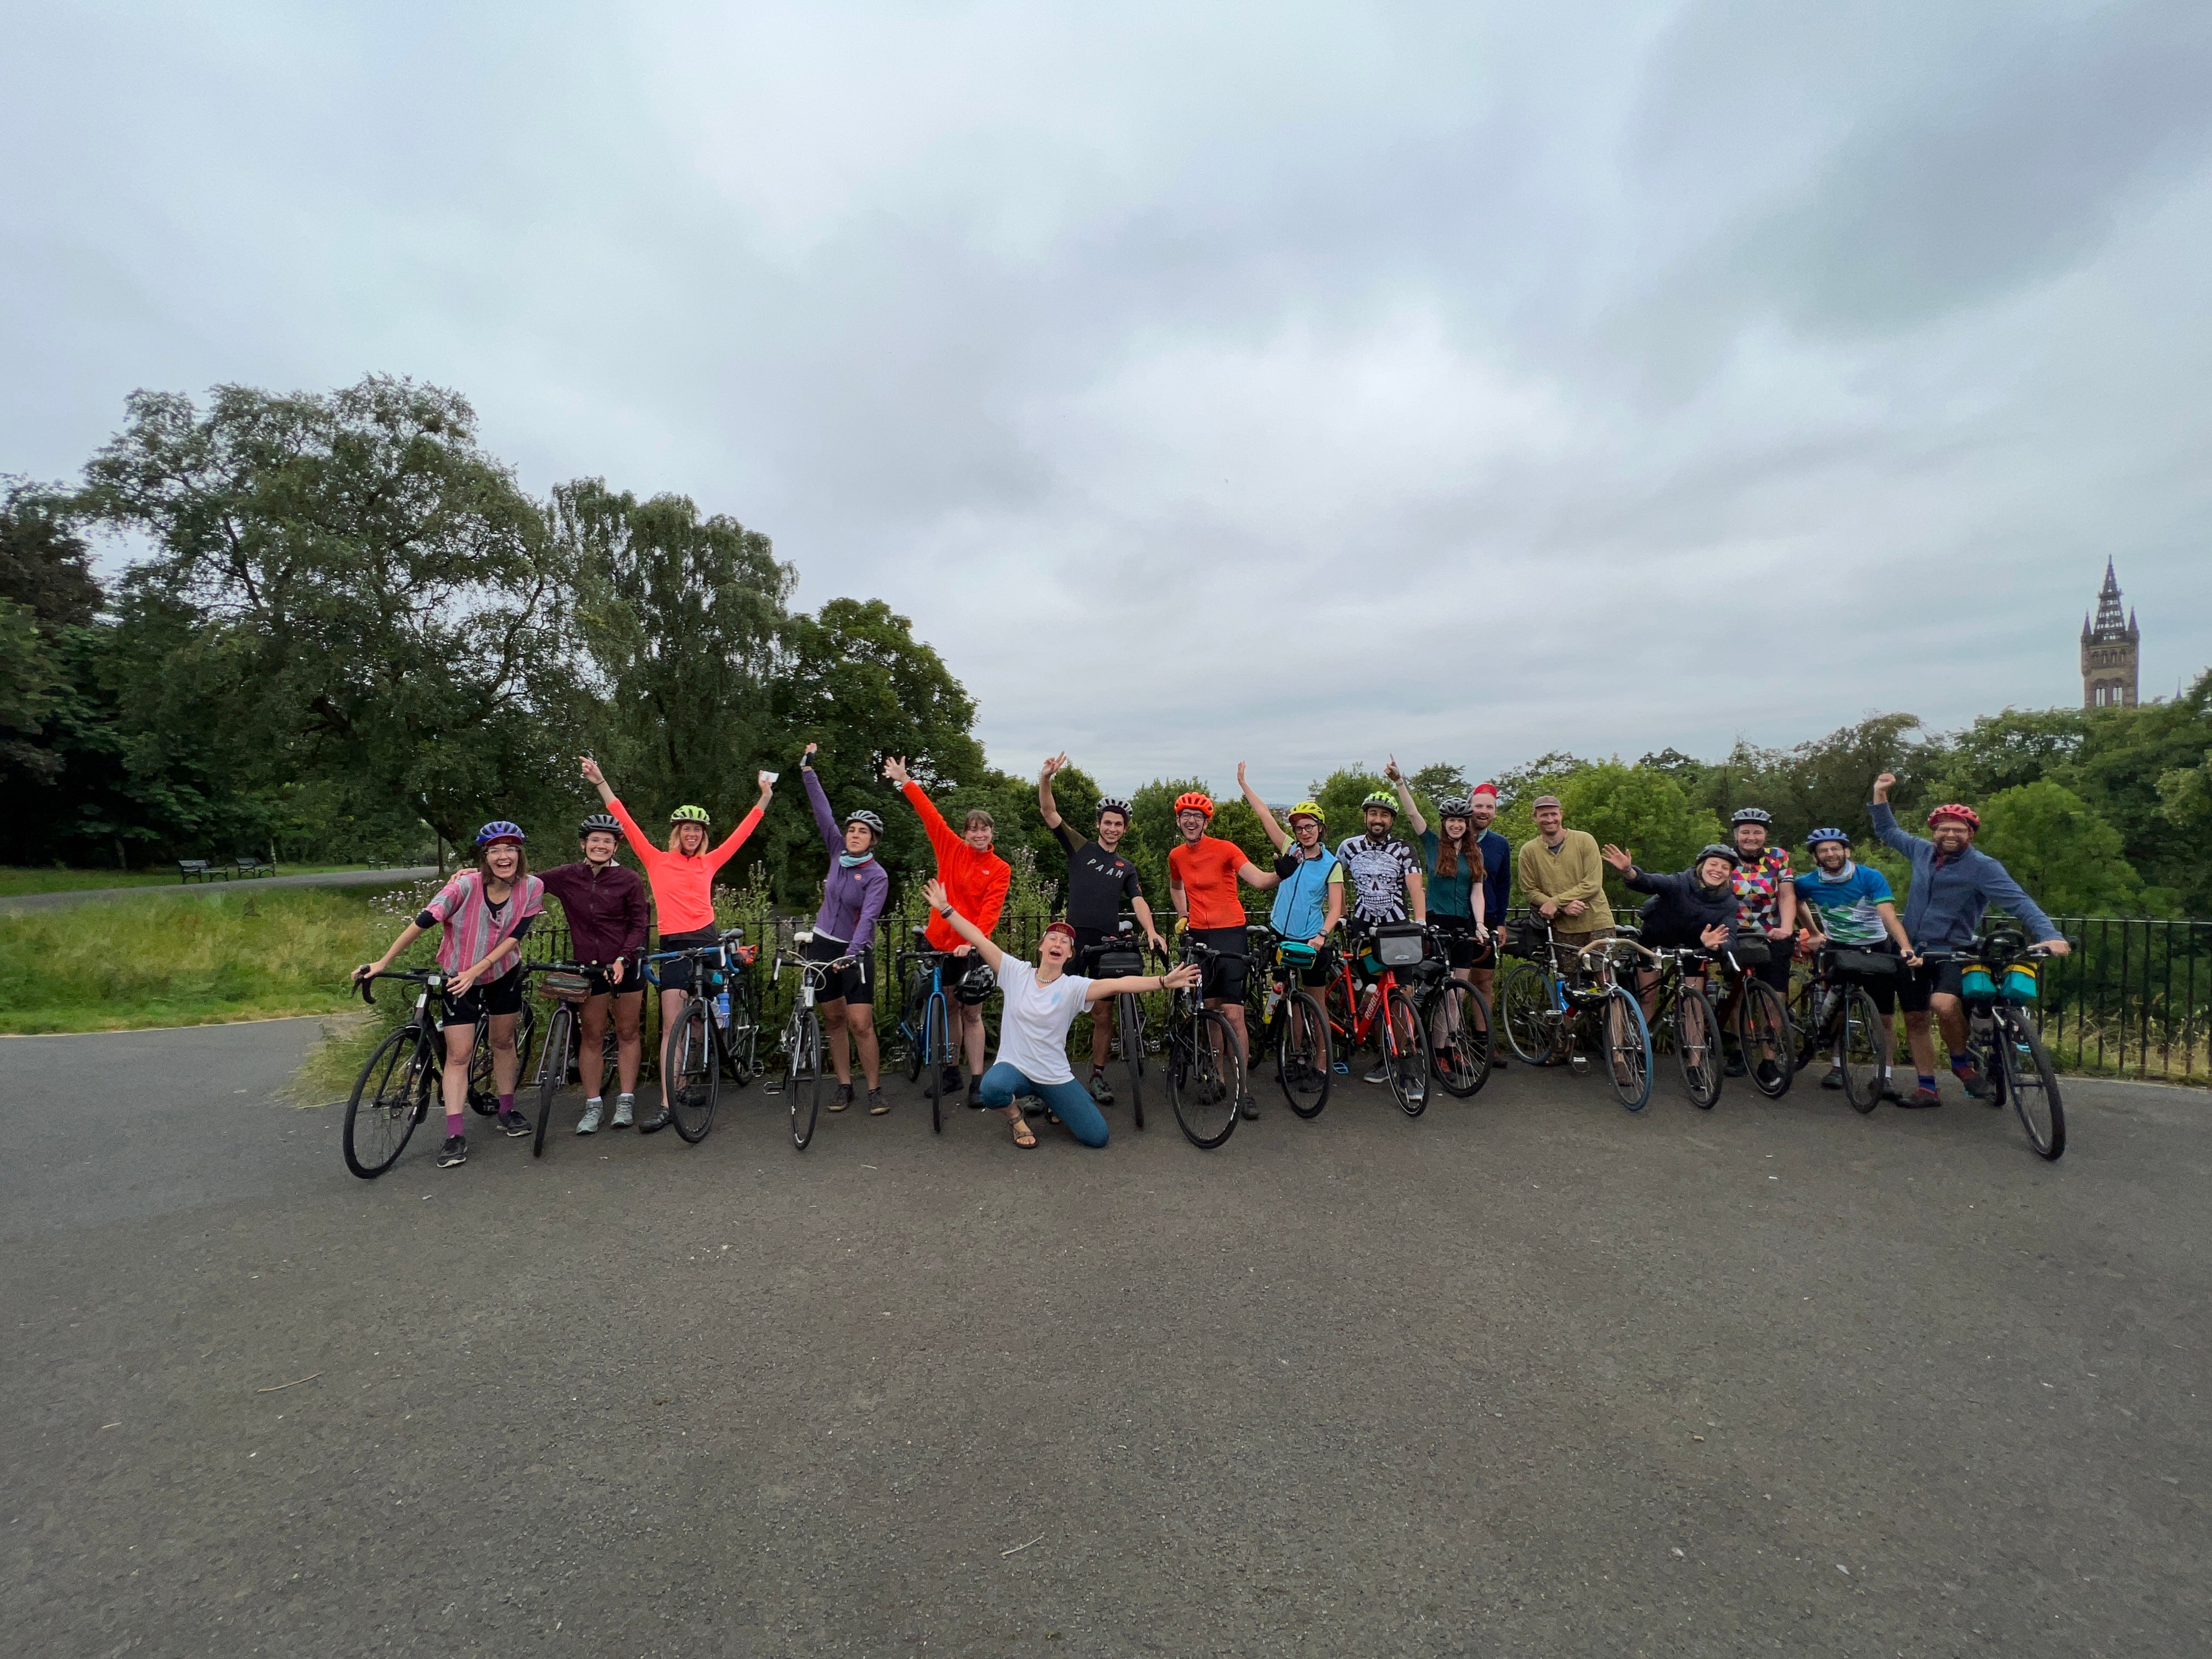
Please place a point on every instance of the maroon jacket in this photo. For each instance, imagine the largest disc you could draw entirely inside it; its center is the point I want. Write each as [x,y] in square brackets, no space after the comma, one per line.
[606,912]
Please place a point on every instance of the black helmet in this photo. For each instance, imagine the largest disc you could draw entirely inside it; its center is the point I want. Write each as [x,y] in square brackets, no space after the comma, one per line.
[1715,850]
[1752,815]
[976,983]
[595,822]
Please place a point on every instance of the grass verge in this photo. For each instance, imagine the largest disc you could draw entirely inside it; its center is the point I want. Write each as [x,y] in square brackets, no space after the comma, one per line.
[18,881]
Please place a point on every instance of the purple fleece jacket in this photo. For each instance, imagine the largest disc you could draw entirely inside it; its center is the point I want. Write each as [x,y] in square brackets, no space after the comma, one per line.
[851,899]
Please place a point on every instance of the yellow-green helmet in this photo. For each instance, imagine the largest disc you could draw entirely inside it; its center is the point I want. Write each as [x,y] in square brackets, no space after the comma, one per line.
[689,815]
[1308,809]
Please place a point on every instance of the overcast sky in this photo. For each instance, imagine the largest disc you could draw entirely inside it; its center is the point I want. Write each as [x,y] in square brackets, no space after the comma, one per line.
[1288,383]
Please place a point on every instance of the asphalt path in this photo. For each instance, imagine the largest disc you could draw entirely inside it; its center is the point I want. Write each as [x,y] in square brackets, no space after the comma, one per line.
[250,885]
[1528,1376]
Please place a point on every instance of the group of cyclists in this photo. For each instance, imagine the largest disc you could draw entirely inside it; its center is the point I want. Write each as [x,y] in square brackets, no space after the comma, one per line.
[1455,878]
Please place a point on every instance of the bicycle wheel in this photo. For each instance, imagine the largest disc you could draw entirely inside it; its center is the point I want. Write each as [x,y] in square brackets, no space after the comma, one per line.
[1698,1045]
[1627,1048]
[1763,1037]
[2024,1072]
[1129,1017]
[740,1040]
[483,1078]
[1867,1045]
[1458,1037]
[698,1072]
[1405,1049]
[1302,1053]
[392,1095]
[552,1070]
[1526,1010]
[1205,1079]
[937,1042]
[802,1077]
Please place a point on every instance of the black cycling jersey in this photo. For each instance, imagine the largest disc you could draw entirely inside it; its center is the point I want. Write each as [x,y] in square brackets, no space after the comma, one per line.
[1097,882]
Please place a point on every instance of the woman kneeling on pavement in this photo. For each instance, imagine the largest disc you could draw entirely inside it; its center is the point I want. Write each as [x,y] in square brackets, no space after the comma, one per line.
[1042,1003]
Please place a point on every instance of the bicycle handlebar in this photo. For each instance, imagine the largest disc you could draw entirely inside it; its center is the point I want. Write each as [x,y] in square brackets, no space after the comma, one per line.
[420,976]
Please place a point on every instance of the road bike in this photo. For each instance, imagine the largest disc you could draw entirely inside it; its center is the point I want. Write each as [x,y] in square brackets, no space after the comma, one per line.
[1998,983]
[1204,1065]
[718,1029]
[568,985]
[1837,1016]
[925,1021]
[1293,1024]
[1385,1013]
[1682,1006]
[1555,1001]
[802,1035]
[1122,957]
[398,1085]
[1756,1015]
[1458,1022]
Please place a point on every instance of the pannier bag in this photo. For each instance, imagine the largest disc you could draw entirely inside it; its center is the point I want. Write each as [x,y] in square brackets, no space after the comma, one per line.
[1866,964]
[1975,983]
[2019,982]
[1399,944]
[1750,953]
[564,987]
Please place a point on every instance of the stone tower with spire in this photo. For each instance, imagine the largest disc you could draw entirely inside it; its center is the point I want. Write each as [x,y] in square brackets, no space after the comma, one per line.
[2110,645]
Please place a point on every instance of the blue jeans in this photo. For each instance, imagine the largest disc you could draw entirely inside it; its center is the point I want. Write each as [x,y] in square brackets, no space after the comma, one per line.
[1069,1102]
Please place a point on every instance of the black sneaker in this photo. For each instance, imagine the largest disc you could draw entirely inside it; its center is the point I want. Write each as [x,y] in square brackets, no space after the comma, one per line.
[949,1083]
[1248,1108]
[877,1104]
[1834,1078]
[513,1124]
[660,1120]
[455,1151]
[974,1097]
[1735,1066]
[844,1097]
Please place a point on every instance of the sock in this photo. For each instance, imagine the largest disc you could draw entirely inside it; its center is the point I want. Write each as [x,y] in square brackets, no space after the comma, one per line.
[1962,1063]
[1928,1082]
[625,1095]
[506,1104]
[453,1126]
[595,1100]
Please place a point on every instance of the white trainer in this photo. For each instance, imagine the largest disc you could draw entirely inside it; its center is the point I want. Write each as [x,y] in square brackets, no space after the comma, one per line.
[590,1126]
[623,1106]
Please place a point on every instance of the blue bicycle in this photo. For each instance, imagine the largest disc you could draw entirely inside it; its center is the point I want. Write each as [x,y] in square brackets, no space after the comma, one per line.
[925,1020]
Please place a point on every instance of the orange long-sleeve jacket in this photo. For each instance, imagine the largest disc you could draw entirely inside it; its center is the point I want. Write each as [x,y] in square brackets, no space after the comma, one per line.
[975,882]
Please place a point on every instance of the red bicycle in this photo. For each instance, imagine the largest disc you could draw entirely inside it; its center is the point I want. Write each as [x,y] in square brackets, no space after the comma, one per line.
[1385,1013]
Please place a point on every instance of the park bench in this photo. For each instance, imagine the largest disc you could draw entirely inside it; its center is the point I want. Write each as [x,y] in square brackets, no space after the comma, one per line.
[199,870]
[252,866]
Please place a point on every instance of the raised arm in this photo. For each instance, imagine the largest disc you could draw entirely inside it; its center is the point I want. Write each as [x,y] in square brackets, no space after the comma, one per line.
[1136,985]
[1404,797]
[935,892]
[1885,828]
[646,851]
[1276,832]
[720,855]
[1046,805]
[932,821]
[818,799]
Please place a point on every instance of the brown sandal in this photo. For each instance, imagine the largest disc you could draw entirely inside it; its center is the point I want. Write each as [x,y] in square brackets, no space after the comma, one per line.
[1022,1129]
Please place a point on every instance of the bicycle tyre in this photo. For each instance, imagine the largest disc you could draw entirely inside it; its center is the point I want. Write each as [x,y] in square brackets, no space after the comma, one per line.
[1627,1048]
[1762,1023]
[399,1100]
[1129,1017]
[1532,1023]
[936,1028]
[1462,1066]
[741,1036]
[1868,1044]
[483,1077]
[552,1071]
[1698,1045]
[1302,1053]
[1406,1052]
[698,1072]
[1205,1078]
[2028,1077]
[802,1090]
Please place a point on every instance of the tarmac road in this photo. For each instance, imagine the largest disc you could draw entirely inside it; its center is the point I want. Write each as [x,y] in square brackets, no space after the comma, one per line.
[1526,1375]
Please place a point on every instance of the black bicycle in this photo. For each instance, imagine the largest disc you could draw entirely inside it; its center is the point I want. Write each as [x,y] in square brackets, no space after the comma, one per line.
[802,1036]
[1294,1025]
[1757,1016]
[567,985]
[1205,1067]
[1837,1016]
[1998,984]
[1122,957]
[1682,1009]
[716,1031]
[1458,1020]
[399,1084]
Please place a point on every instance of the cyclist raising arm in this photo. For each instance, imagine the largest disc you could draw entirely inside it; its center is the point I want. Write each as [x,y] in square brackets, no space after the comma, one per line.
[1040,1006]
[1203,871]
[1310,900]
[853,897]
[683,878]
[1098,879]
[484,911]
[976,878]
[1458,889]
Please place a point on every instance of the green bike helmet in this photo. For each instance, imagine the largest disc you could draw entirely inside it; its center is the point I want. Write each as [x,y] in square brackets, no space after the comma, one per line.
[1377,797]
[689,815]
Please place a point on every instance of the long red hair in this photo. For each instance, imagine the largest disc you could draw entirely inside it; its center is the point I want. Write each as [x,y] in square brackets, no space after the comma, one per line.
[1448,851]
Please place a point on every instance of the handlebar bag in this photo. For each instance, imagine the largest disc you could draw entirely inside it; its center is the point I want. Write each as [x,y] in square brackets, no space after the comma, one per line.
[2019,982]
[1751,952]
[1866,964]
[1399,944]
[1116,963]
[564,987]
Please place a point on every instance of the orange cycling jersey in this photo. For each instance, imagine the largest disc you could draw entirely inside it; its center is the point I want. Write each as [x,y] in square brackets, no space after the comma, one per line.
[1206,872]
[683,888]
[974,881]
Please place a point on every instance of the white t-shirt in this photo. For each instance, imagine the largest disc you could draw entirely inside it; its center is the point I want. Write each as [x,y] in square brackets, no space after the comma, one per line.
[1034,1020]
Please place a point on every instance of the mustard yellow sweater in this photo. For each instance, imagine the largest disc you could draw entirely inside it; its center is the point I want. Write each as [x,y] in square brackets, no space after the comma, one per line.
[1575,871]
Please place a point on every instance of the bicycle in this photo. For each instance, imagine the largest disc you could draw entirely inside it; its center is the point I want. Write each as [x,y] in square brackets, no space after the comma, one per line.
[1294,1026]
[1458,1022]
[1545,1007]
[802,1036]
[568,985]
[1205,1067]
[1123,958]
[1837,1016]
[1693,1029]
[1758,1018]
[1998,984]
[925,1021]
[718,1030]
[406,1068]
[1386,1014]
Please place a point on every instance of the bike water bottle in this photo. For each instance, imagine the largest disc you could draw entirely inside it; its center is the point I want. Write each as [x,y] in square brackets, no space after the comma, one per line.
[722,1007]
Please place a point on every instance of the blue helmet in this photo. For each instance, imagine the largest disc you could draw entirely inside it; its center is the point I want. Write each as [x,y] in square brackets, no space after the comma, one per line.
[1831,833]
[499,830]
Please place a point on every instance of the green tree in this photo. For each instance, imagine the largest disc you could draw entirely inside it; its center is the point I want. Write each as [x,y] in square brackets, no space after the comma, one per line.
[2059,848]
[1643,810]
[46,587]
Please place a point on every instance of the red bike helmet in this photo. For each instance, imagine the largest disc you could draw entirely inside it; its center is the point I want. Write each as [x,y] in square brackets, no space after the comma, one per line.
[1193,802]
[1966,815]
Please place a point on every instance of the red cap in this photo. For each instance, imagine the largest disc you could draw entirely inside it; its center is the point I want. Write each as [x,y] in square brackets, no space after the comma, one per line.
[1489,789]
[1061,927]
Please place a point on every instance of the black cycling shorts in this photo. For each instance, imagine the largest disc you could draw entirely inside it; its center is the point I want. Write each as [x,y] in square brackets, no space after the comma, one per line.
[502,995]
[1225,974]
[1916,985]
[633,979]
[853,983]
[677,975]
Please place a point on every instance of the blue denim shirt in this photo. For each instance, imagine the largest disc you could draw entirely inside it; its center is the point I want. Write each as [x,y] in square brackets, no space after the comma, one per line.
[1944,910]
